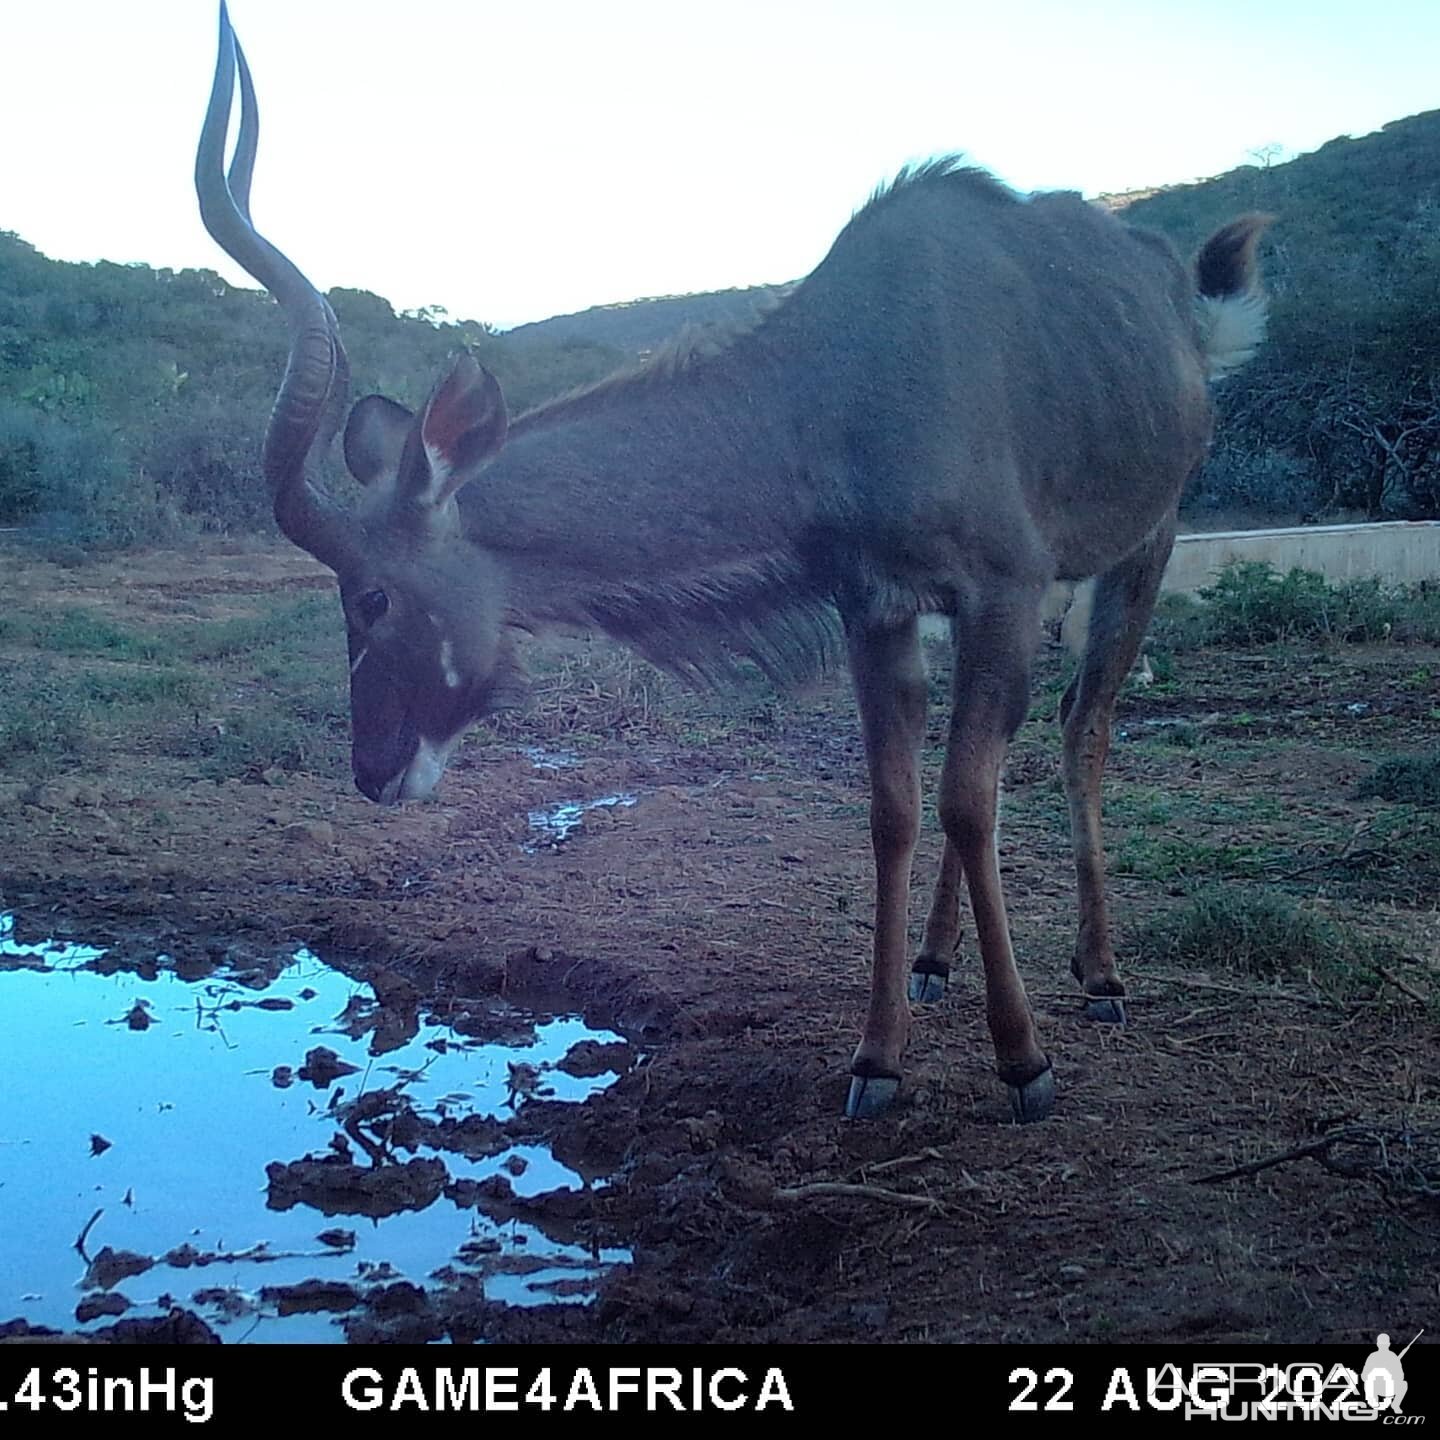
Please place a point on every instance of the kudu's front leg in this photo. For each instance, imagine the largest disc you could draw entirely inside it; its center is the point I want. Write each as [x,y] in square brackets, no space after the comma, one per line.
[992,689]
[889,676]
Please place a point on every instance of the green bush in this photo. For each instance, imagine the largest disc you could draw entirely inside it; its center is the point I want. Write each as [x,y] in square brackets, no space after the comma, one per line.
[72,480]
[1404,779]
[20,482]
[1180,622]
[1420,616]
[1252,603]
[133,400]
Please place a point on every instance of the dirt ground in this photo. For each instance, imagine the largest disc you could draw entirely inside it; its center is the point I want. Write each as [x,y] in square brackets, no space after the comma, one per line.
[722,923]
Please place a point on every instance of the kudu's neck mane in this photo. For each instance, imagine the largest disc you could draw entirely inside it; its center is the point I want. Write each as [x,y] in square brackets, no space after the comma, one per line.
[665,506]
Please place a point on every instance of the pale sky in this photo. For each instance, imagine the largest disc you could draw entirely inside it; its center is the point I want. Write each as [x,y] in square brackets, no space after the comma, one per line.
[515,160]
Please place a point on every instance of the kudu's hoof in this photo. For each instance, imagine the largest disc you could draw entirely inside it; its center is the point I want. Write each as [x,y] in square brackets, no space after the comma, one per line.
[928,986]
[1035,1099]
[870,1095]
[1105,1009]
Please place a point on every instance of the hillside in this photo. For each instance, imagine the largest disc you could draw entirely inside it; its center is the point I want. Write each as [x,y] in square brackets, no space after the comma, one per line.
[1341,410]
[131,399]
[129,396]
[638,326]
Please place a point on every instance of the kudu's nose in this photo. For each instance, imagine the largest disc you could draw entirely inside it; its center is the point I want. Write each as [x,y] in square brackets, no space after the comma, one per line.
[371,783]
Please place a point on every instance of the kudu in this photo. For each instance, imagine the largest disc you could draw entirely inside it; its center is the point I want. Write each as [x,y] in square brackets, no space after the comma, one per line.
[974,395]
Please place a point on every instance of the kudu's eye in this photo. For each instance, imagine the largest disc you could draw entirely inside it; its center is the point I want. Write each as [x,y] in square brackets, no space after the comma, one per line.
[372,605]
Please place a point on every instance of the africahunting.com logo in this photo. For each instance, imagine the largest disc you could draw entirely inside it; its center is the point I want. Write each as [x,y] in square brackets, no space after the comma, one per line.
[1376,1390]
[1306,1390]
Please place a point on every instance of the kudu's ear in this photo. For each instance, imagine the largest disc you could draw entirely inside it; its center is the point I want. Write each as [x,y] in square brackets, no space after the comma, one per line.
[462,426]
[375,437]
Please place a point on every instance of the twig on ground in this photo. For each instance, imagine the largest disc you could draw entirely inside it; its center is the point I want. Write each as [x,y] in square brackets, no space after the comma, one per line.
[839,1190]
[1254,1167]
[1345,857]
[1404,986]
[901,1161]
[1254,992]
[1403,1161]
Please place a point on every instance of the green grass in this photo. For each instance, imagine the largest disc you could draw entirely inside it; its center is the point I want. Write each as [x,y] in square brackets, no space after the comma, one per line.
[1406,779]
[83,632]
[130,689]
[288,628]
[1263,934]
[1169,832]
[1395,857]
[274,736]
[1139,805]
[42,718]
[49,715]
[77,631]
[299,722]
[1183,735]
[1166,858]
[185,687]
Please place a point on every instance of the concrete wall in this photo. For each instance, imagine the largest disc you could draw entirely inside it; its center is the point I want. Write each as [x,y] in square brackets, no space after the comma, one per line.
[1397,552]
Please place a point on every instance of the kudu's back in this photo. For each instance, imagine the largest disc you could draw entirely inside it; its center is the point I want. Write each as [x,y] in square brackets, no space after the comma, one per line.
[995,384]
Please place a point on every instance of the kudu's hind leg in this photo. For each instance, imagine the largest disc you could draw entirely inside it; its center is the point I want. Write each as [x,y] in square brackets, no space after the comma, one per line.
[931,970]
[930,973]
[1124,599]
[889,676]
[992,690]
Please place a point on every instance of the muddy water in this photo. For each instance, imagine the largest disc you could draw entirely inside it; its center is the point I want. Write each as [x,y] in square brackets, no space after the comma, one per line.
[155,1102]
[542,757]
[558,823]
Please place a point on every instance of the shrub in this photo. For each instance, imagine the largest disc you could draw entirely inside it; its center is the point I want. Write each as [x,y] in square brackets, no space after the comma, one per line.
[73,481]
[1252,603]
[1404,779]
